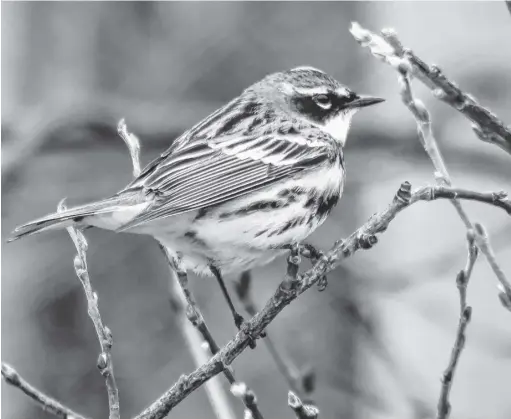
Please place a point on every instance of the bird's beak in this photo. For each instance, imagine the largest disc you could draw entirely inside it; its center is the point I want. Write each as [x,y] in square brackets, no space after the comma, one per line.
[363,101]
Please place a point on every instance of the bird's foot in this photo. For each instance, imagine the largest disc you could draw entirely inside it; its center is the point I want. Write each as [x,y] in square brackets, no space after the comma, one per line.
[244,327]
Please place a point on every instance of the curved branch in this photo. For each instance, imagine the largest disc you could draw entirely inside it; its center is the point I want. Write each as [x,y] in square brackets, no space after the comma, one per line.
[486,125]
[363,238]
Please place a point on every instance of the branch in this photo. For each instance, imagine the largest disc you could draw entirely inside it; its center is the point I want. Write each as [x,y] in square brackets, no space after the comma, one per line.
[248,398]
[444,407]
[300,382]
[195,318]
[486,125]
[302,411]
[390,49]
[104,363]
[11,376]
[193,339]
[483,242]
[363,238]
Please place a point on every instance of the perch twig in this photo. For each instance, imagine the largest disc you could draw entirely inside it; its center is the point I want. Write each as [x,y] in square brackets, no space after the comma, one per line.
[362,238]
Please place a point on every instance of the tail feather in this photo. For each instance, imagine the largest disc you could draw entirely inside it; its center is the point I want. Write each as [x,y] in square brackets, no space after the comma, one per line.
[69,217]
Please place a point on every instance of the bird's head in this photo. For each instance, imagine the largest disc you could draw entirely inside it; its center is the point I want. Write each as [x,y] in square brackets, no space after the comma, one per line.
[310,94]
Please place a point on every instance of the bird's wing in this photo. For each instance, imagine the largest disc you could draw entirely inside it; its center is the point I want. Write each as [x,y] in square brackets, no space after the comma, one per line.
[209,171]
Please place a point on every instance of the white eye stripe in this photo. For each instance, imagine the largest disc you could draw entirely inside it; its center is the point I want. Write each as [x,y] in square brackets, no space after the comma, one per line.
[310,91]
[342,91]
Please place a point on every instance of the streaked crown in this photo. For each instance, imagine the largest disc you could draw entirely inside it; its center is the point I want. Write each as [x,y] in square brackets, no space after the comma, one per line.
[313,95]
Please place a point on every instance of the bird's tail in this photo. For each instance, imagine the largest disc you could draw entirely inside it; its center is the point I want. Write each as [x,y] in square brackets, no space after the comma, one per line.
[81,215]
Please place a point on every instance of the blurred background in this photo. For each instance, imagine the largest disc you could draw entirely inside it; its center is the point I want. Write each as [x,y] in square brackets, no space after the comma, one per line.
[380,335]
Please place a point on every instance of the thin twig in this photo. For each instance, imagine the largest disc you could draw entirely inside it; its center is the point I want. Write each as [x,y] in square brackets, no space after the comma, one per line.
[300,382]
[104,363]
[133,145]
[390,49]
[362,238]
[302,411]
[462,279]
[483,242]
[216,394]
[248,398]
[48,404]
[486,125]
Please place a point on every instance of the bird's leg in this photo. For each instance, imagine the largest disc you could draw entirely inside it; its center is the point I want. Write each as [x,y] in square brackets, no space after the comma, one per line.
[239,321]
[308,251]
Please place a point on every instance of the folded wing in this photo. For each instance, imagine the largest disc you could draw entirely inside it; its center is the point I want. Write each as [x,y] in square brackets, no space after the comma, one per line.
[210,171]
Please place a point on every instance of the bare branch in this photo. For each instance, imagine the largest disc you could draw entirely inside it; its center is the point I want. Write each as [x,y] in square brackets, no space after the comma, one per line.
[195,317]
[429,143]
[11,376]
[302,411]
[483,241]
[133,145]
[508,4]
[249,400]
[487,126]
[104,363]
[444,407]
[216,394]
[360,239]
[300,382]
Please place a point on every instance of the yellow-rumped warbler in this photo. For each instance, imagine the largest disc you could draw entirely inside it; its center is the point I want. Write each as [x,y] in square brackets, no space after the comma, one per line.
[260,173]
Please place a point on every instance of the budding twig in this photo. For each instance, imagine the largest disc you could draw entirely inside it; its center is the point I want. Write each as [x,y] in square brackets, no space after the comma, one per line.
[486,125]
[483,242]
[193,339]
[444,406]
[104,363]
[249,400]
[48,404]
[378,223]
[302,411]
[300,382]
[195,318]
[429,143]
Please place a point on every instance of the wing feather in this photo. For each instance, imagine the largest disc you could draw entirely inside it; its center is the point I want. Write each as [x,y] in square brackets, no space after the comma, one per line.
[209,170]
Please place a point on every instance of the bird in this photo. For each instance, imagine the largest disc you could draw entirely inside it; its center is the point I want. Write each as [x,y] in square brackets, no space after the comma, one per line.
[237,189]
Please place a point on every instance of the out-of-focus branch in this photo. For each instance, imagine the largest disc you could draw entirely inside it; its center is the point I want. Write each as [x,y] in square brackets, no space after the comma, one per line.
[483,242]
[300,382]
[302,411]
[380,47]
[444,406]
[362,238]
[186,305]
[508,4]
[105,364]
[487,126]
[48,404]
[216,394]
[248,398]
[196,319]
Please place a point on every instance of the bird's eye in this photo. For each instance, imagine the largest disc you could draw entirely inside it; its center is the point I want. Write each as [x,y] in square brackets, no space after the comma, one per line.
[323,101]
